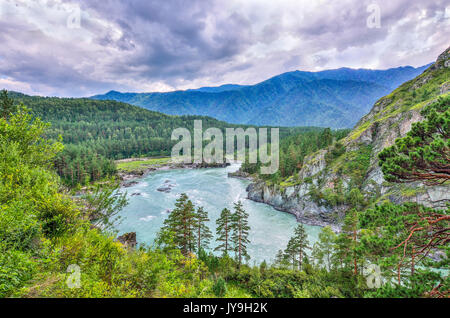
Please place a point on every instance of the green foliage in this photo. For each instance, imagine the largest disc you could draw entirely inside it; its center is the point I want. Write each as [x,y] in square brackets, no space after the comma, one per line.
[7,106]
[423,154]
[16,268]
[43,231]
[96,132]
[202,230]
[219,288]
[294,149]
[324,248]
[223,232]
[104,203]
[296,248]
[355,164]
[334,152]
[181,223]
[240,231]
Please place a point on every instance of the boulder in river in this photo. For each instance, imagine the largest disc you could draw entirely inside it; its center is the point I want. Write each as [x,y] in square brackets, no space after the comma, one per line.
[166,187]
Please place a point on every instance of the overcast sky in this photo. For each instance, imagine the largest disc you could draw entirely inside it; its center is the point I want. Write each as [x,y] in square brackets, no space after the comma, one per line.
[81,48]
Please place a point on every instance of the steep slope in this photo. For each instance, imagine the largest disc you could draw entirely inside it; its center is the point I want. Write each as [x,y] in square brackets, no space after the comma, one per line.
[329,174]
[333,98]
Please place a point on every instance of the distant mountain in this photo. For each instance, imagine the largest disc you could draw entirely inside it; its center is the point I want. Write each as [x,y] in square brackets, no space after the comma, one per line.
[217,89]
[333,98]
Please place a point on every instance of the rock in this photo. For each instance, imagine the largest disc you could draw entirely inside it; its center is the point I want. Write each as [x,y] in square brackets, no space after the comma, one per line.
[136,193]
[437,255]
[303,207]
[313,164]
[128,240]
[239,174]
[129,184]
[164,189]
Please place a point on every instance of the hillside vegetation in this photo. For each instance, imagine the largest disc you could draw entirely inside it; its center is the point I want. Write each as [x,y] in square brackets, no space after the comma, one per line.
[332,98]
[97,132]
[49,246]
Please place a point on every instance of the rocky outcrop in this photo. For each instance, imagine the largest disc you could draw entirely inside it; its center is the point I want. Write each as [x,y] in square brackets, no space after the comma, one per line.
[295,200]
[390,118]
[128,240]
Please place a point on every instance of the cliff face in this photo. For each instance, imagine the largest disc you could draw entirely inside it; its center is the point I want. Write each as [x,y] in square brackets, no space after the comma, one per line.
[325,176]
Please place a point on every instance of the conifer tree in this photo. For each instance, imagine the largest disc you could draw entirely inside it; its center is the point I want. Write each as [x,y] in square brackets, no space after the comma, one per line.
[203,232]
[279,258]
[297,246]
[301,243]
[223,231]
[181,222]
[290,253]
[6,105]
[325,247]
[347,245]
[240,228]
[424,153]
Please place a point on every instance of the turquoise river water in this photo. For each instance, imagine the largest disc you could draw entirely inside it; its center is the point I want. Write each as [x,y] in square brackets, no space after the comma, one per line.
[214,190]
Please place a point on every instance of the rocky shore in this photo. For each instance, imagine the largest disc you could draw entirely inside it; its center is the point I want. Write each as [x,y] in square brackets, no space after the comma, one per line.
[295,200]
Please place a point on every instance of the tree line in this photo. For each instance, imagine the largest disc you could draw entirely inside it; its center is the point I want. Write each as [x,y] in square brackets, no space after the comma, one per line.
[186,229]
[97,132]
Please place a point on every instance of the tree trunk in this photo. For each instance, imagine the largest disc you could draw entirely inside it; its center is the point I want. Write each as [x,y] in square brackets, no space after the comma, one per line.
[226,237]
[198,240]
[354,253]
[239,247]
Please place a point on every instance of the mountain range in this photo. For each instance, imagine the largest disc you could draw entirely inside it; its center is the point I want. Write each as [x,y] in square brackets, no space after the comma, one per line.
[332,98]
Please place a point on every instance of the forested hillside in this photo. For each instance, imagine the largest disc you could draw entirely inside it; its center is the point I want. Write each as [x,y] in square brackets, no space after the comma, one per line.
[96,132]
[333,98]
[54,246]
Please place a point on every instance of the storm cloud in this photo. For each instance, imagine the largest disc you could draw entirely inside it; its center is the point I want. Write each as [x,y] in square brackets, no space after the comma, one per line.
[81,48]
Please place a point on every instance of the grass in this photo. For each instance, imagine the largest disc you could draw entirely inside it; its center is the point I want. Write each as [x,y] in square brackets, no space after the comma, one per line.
[140,164]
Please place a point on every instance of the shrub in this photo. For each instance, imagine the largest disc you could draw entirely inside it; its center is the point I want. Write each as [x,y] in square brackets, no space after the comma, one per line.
[219,288]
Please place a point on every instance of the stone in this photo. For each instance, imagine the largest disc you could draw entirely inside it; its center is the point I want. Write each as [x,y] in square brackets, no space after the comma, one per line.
[128,239]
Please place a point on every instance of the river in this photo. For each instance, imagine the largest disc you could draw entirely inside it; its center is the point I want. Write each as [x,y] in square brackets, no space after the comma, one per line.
[214,190]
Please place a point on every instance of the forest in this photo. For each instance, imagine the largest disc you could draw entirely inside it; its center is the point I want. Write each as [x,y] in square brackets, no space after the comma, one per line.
[96,132]
[44,231]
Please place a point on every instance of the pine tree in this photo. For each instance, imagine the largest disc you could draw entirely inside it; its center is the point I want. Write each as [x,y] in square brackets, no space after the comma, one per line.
[181,222]
[347,245]
[423,154]
[240,228]
[301,244]
[279,258]
[325,247]
[6,105]
[202,230]
[290,253]
[223,231]
[297,246]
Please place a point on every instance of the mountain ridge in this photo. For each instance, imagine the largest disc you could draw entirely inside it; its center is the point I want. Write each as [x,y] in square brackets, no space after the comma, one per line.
[290,99]
[353,162]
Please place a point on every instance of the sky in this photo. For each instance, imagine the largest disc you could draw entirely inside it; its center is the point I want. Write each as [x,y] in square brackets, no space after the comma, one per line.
[85,47]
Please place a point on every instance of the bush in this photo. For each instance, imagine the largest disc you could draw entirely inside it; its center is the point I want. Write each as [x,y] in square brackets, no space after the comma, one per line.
[16,268]
[219,288]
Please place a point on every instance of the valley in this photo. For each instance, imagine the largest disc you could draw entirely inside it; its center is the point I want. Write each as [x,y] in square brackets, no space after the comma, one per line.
[87,182]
